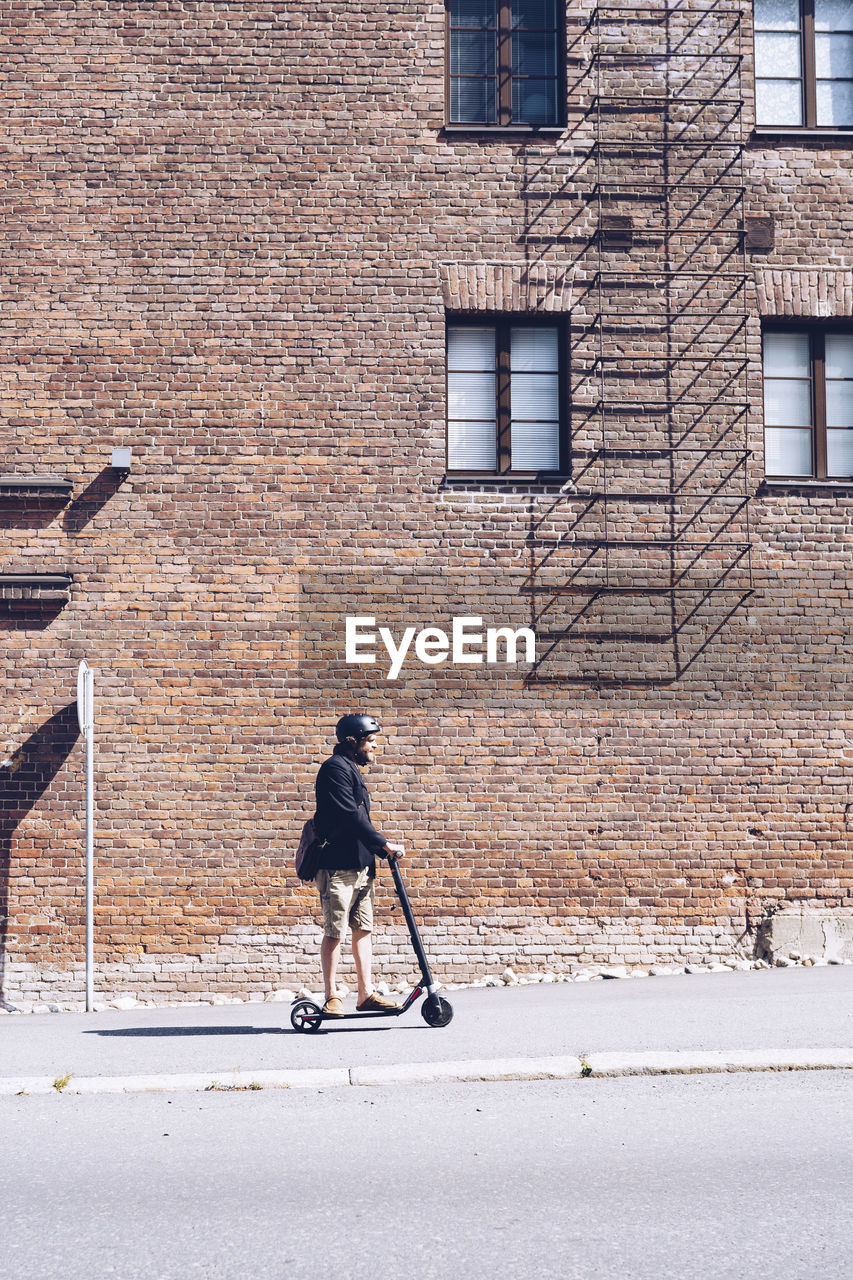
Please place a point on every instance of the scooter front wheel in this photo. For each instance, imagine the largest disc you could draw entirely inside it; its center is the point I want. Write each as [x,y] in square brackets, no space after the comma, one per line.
[436,1012]
[306,1016]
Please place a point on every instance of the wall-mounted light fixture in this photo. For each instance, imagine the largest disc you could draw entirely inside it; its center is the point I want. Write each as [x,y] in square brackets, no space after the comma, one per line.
[121,459]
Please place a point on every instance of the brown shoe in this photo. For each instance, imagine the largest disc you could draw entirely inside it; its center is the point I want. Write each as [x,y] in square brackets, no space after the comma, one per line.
[376,1004]
[334,1007]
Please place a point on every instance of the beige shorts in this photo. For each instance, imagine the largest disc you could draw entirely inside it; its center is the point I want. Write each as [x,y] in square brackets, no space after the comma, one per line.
[346,898]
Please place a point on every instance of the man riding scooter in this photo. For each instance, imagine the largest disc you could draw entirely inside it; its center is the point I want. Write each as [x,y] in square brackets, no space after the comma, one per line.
[347,872]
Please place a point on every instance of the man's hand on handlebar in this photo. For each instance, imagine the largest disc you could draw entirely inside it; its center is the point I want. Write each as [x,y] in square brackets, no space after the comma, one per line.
[394,850]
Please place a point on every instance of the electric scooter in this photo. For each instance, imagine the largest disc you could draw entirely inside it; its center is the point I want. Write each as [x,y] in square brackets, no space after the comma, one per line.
[307,1016]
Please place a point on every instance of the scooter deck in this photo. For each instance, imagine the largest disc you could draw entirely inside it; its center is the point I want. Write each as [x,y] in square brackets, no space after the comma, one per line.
[368,1013]
[377,1013]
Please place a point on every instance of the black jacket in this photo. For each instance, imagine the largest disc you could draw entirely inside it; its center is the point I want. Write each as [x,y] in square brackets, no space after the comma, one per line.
[343,817]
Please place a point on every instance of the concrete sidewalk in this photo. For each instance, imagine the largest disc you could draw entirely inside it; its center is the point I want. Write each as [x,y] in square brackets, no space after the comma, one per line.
[775,1019]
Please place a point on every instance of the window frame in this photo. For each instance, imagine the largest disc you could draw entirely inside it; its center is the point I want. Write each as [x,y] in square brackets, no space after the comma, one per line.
[807,79]
[817,331]
[504,78]
[503,322]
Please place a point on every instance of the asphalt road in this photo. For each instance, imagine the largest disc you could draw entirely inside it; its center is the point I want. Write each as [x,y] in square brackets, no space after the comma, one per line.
[666,1178]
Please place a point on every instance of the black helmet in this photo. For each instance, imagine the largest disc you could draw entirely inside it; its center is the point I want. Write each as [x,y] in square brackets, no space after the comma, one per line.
[355,726]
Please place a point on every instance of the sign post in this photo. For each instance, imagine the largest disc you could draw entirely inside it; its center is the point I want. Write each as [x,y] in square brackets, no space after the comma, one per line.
[86,720]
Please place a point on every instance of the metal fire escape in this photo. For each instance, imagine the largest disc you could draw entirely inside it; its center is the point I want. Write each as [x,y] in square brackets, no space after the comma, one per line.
[647,556]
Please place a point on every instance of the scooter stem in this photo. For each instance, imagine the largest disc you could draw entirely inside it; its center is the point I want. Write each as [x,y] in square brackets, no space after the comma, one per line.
[417,945]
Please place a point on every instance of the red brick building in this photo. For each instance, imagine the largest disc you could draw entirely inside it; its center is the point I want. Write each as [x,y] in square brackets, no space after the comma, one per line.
[419,312]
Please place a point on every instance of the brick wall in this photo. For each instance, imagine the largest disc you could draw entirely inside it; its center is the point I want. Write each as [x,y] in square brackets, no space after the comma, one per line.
[231,233]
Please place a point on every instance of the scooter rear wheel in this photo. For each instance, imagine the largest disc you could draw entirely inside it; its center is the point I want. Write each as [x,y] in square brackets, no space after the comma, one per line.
[436,1012]
[306,1016]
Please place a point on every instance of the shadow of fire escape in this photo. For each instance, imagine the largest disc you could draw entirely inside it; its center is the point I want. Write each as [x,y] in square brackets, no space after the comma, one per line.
[636,567]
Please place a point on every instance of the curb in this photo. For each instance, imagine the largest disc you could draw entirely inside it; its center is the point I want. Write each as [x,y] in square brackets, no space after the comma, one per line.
[594,1065]
[493,1069]
[197,1082]
[690,1062]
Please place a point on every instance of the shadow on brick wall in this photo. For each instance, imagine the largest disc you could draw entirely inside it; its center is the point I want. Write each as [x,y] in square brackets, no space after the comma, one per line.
[87,505]
[35,511]
[21,616]
[23,780]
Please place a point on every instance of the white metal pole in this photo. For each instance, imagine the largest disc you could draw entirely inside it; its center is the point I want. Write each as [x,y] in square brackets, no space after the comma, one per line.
[90,854]
[86,721]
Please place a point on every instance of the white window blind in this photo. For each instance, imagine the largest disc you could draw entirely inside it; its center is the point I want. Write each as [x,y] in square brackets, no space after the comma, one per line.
[787,405]
[535,399]
[839,404]
[471,399]
[815,90]
[778,63]
[833,22]
[503,388]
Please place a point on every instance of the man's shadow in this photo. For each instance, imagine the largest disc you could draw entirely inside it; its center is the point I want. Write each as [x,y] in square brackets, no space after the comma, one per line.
[191,1031]
[234,1031]
[23,780]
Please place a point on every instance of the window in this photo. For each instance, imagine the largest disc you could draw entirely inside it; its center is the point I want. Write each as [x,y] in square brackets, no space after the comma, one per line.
[504,62]
[804,63]
[506,397]
[808,402]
